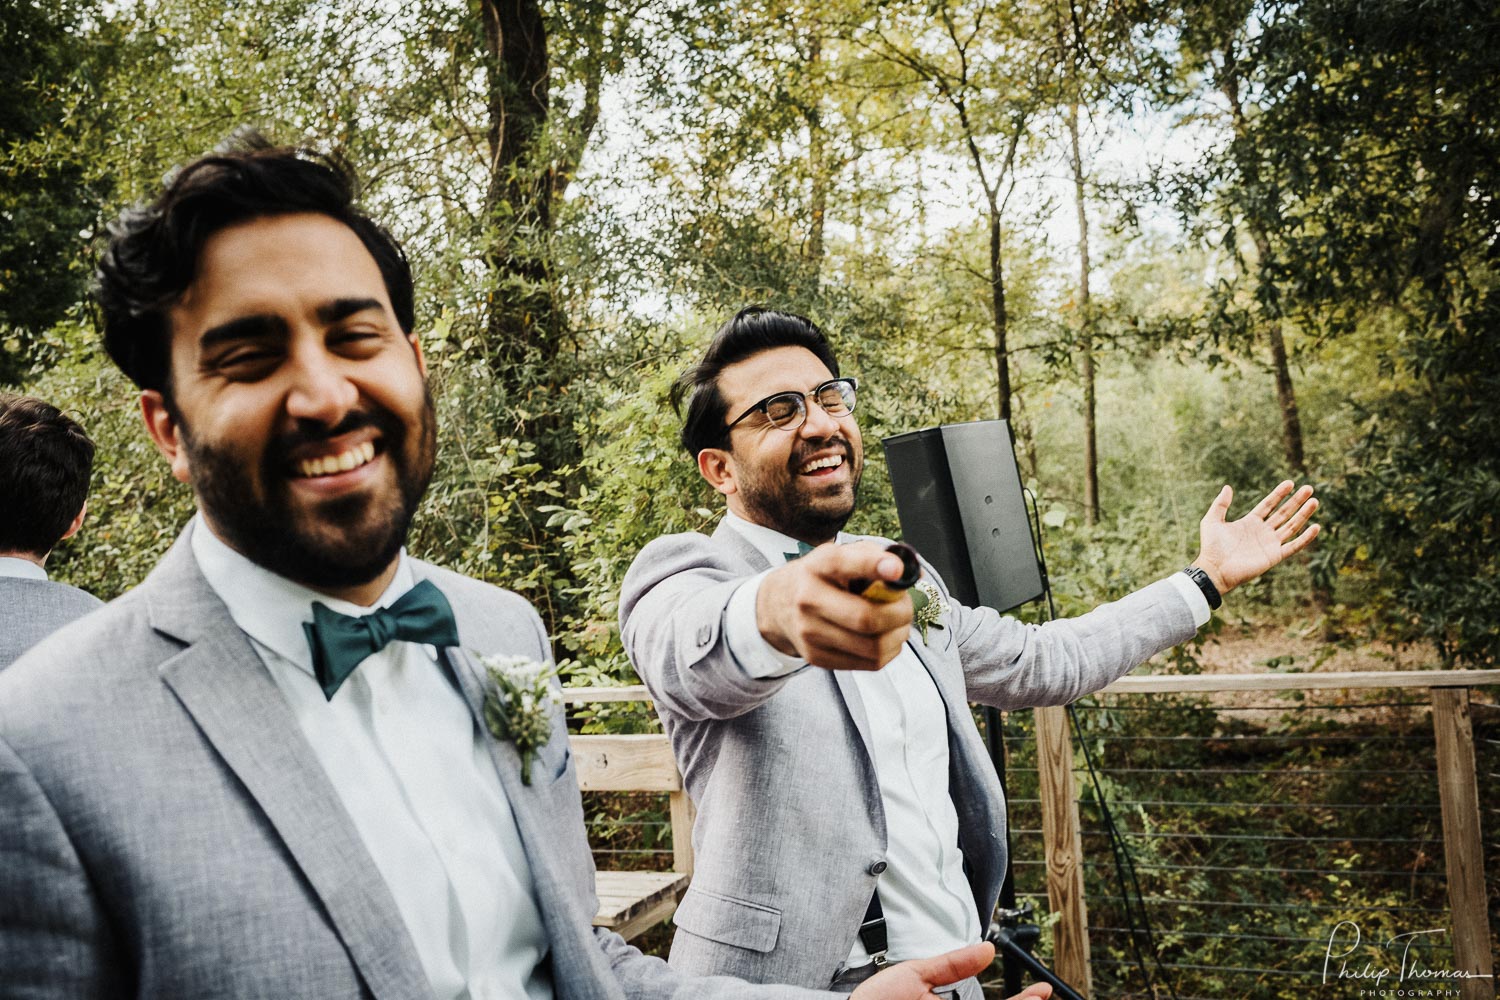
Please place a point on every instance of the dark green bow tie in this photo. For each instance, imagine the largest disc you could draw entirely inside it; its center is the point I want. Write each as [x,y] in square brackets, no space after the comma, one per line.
[802,549]
[340,642]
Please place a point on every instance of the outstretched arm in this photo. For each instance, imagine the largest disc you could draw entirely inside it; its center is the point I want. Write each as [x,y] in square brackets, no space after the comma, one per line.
[1235,552]
[1013,665]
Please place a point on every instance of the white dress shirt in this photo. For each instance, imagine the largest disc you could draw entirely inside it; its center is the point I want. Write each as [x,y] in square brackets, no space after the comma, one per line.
[23,568]
[929,907]
[411,767]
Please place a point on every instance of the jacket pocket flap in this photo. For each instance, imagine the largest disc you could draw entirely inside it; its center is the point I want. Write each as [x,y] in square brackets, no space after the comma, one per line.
[728,920]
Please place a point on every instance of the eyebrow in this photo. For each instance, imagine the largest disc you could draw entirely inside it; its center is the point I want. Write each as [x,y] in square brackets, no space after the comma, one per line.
[262,326]
[243,328]
[332,312]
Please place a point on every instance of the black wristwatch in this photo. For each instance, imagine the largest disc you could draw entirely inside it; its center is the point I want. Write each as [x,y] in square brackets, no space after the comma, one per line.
[1210,592]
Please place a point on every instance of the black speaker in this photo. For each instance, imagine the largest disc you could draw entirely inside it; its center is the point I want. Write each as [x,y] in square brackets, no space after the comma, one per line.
[958,493]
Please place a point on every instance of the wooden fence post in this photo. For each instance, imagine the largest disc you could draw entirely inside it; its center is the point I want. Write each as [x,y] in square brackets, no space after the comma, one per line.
[1463,849]
[1063,839]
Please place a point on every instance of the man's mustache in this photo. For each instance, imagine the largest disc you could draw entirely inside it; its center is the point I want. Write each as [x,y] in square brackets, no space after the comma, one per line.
[312,432]
[804,452]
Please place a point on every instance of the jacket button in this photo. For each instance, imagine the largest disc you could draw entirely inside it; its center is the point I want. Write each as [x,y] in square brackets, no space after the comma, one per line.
[705,634]
[877,868]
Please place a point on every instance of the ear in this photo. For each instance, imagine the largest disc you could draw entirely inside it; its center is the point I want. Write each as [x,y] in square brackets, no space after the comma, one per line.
[165,433]
[416,346]
[77,522]
[717,466]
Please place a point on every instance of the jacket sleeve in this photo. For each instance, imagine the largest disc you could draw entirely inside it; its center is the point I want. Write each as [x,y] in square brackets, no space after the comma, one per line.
[1010,664]
[647,978]
[672,608]
[54,938]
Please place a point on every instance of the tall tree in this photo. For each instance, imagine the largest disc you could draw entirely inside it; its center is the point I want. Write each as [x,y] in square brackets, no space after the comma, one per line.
[1071,50]
[1105,55]
[1220,40]
[50,68]
[985,63]
[531,160]
[1381,131]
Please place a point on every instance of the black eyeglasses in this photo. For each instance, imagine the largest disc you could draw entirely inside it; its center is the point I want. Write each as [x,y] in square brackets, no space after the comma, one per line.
[788,410]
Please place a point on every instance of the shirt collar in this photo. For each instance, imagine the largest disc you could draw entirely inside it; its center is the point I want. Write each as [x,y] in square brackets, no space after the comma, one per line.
[270,608]
[25,569]
[768,541]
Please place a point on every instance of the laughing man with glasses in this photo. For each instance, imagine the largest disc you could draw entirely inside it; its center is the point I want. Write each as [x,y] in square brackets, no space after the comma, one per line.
[839,777]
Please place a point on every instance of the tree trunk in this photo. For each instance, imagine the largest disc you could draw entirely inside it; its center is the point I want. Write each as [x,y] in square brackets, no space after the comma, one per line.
[817,155]
[1086,331]
[997,300]
[1286,397]
[526,331]
[1291,421]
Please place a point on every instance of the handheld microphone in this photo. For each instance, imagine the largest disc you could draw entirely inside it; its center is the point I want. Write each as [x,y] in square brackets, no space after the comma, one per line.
[886,591]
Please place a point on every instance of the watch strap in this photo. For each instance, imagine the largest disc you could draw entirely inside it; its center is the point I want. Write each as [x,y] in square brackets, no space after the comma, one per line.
[1210,592]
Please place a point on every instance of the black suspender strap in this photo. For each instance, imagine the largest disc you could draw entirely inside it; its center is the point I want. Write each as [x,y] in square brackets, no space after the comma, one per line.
[872,931]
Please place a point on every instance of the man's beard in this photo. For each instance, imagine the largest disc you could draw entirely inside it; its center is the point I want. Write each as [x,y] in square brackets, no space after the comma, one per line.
[341,542]
[790,504]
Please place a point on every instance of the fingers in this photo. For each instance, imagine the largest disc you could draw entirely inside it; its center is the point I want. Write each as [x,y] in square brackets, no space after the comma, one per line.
[805,608]
[866,638]
[1036,991]
[842,564]
[1292,515]
[1301,542]
[1219,509]
[1273,498]
[954,966]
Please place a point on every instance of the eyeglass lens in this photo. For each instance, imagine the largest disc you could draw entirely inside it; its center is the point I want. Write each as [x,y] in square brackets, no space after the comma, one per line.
[837,398]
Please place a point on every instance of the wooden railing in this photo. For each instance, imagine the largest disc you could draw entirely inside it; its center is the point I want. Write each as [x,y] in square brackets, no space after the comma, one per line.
[1455,768]
[1458,790]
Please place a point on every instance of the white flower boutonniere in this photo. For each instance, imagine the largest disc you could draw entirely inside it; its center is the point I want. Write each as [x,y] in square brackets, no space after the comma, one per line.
[927,606]
[518,704]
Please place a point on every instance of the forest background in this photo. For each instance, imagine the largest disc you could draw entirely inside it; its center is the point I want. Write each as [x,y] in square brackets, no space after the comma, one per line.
[1176,245]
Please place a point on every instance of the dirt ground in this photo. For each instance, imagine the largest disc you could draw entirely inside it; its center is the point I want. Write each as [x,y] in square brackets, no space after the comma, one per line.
[1251,648]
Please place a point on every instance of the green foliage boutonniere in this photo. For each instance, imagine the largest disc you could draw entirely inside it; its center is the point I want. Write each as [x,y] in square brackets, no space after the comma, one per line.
[518,705]
[927,607]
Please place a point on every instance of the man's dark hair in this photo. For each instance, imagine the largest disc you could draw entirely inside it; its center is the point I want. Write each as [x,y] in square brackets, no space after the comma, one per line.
[153,251]
[747,333]
[45,461]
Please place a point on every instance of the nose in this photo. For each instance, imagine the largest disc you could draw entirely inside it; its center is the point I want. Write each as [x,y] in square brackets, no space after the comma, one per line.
[819,423]
[319,390]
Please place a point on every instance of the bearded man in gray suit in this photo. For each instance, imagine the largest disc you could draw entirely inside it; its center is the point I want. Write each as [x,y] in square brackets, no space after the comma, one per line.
[203,797]
[45,461]
[838,774]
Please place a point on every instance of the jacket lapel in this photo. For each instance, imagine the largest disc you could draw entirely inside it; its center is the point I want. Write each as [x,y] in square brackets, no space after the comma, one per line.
[580,971]
[223,684]
[955,704]
[844,680]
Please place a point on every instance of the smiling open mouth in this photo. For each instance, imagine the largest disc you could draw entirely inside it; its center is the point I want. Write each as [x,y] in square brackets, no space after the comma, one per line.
[360,454]
[831,462]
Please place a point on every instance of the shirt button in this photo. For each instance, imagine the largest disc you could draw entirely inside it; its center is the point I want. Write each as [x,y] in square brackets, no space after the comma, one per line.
[877,867]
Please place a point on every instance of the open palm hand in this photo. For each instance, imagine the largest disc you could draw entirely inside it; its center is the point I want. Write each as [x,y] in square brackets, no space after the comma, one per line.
[1233,552]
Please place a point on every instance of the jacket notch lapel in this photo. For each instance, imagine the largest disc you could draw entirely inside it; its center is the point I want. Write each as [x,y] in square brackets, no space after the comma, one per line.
[844,680]
[528,805]
[222,683]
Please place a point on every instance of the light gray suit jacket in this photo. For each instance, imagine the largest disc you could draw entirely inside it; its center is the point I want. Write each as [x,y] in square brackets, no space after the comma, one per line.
[790,830]
[167,832]
[31,610]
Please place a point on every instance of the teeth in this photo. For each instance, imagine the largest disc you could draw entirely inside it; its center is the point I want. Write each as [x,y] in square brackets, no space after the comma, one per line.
[832,461]
[351,459]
